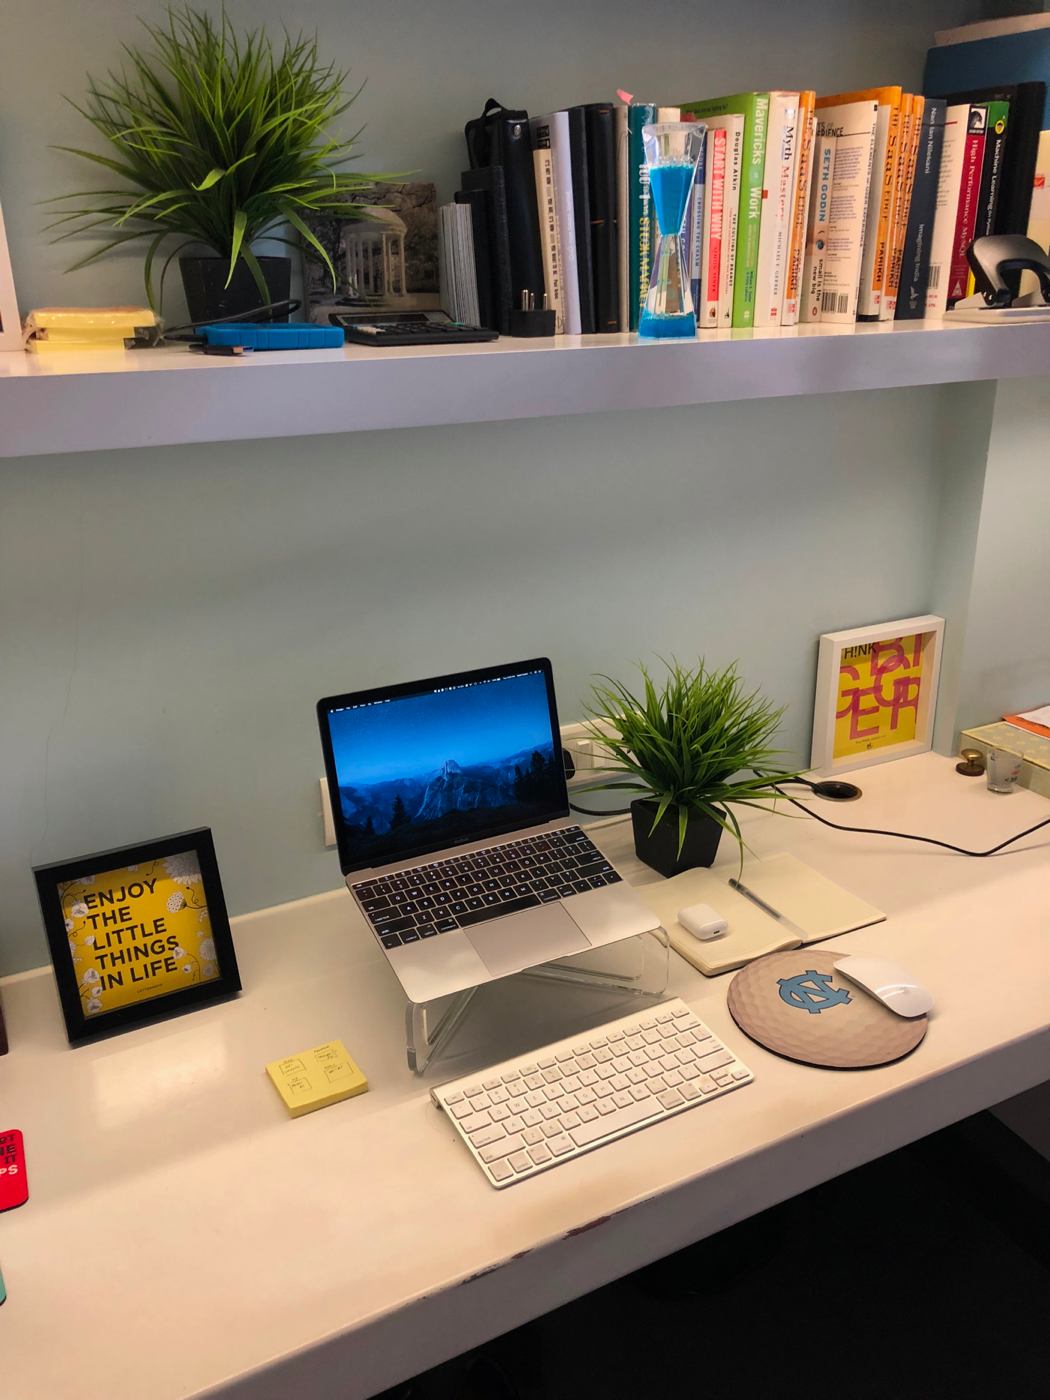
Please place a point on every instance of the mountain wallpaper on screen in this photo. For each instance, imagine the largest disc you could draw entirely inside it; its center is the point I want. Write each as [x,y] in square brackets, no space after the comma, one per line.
[454,800]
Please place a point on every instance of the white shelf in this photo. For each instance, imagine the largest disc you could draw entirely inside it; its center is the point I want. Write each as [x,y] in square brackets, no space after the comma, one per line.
[93,400]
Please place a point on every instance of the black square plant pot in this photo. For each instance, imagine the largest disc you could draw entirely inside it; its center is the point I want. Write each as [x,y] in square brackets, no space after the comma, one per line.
[660,849]
[208,298]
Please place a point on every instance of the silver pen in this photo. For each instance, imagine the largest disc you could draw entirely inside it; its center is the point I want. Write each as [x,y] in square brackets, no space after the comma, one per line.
[768,908]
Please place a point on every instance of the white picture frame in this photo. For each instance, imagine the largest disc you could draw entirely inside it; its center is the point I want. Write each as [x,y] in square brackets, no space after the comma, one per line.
[908,705]
[10,322]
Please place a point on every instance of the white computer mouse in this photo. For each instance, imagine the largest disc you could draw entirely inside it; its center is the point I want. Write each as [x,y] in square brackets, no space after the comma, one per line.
[702,922]
[887,982]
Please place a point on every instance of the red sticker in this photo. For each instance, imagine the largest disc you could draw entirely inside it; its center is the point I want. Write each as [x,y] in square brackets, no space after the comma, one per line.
[14,1184]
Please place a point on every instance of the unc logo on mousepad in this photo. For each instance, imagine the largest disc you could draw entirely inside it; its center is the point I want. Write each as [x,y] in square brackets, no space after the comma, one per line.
[798,1005]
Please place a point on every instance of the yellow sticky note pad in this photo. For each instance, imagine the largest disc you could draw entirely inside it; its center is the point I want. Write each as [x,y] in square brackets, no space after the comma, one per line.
[315,1078]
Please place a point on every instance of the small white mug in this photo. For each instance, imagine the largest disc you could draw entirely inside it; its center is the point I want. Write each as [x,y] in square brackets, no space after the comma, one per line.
[1003,770]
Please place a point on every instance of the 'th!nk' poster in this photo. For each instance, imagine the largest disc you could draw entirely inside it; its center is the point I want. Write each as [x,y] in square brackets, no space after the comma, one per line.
[139,932]
[877,703]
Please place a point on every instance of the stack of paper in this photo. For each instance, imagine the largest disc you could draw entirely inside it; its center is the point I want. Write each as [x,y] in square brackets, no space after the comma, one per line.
[457,275]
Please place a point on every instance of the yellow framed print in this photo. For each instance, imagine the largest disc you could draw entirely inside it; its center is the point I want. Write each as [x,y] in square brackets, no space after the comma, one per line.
[876,694]
[137,933]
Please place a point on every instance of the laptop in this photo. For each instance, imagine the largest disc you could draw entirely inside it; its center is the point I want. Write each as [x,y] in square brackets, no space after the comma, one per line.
[451,815]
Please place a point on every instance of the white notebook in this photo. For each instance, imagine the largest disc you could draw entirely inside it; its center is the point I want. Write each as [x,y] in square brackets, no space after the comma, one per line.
[813,906]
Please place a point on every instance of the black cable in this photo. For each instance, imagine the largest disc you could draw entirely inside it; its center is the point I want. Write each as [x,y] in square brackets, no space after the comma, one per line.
[907,836]
[858,830]
[594,812]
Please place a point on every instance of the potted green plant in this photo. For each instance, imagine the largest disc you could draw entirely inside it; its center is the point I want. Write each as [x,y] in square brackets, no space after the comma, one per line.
[696,746]
[217,140]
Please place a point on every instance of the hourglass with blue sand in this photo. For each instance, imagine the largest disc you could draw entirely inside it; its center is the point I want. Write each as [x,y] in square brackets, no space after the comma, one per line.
[672,150]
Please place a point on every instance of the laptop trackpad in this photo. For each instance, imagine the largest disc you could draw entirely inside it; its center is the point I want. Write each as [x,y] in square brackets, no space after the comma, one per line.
[527,939]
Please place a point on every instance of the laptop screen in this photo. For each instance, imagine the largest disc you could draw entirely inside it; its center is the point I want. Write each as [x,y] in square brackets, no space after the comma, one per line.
[429,765]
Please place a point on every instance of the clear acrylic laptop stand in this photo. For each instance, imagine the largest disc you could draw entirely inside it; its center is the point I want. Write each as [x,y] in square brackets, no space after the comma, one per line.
[521,1007]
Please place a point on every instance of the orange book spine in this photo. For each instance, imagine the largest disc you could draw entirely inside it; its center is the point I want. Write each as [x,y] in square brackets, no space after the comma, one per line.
[913,108]
[800,213]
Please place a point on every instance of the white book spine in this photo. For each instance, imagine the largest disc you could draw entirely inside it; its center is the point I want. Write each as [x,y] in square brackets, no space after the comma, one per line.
[668,114]
[806,151]
[731,217]
[812,288]
[622,213]
[778,181]
[942,238]
[547,208]
[711,264]
[1039,216]
[469,309]
[869,298]
[446,282]
[853,125]
[558,122]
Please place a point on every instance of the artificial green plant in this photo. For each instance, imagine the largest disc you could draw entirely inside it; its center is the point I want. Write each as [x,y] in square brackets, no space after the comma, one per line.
[699,742]
[218,139]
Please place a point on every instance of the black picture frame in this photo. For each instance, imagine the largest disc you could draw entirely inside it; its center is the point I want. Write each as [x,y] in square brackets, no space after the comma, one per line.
[52,879]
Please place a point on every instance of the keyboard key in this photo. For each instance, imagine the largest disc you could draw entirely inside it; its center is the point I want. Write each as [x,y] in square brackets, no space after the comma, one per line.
[410,937]
[484,1137]
[532,1135]
[503,1148]
[501,1170]
[562,1143]
[390,940]
[512,906]
[474,1122]
[397,925]
[623,1118]
[521,1162]
[540,1154]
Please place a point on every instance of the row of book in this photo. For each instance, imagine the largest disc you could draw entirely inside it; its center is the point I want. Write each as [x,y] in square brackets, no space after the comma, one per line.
[806,209]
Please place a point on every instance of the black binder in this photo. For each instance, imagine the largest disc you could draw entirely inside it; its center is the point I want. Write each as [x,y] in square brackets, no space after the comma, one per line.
[582,215]
[500,139]
[601,180]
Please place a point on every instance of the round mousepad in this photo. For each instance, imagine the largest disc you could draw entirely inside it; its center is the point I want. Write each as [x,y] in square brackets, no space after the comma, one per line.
[798,1006]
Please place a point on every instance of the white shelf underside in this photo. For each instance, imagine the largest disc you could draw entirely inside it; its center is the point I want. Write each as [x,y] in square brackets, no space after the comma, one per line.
[89,401]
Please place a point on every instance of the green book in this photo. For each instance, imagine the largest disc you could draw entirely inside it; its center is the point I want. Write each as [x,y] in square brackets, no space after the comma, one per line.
[754,108]
[639,222]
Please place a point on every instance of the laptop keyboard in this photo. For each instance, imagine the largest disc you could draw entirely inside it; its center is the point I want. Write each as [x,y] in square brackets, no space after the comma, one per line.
[487,884]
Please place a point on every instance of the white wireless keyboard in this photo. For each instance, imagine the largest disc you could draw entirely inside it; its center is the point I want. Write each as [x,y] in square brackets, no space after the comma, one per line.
[523,1116]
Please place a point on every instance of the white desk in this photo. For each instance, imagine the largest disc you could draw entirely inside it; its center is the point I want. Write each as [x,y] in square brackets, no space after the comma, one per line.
[184,1237]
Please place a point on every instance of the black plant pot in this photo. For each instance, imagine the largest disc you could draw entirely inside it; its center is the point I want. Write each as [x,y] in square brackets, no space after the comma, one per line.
[660,849]
[208,298]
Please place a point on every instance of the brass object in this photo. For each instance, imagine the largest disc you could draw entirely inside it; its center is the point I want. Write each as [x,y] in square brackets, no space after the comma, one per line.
[972,763]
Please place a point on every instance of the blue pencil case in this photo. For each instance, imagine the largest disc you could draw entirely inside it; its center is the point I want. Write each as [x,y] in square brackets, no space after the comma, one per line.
[259,335]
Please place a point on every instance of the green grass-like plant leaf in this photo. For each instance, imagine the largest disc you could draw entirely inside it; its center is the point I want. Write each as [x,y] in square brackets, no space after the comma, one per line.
[220,139]
[699,742]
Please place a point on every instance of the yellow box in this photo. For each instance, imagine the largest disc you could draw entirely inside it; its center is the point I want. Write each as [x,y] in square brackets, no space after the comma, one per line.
[315,1078]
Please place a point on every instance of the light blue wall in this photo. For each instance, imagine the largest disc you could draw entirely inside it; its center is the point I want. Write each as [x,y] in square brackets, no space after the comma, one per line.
[1006,659]
[169,618]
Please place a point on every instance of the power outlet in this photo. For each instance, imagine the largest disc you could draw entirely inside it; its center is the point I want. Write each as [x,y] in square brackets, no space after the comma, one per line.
[326,816]
[585,753]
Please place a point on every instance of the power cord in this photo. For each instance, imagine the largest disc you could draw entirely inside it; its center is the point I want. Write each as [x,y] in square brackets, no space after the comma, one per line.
[859,830]
[908,836]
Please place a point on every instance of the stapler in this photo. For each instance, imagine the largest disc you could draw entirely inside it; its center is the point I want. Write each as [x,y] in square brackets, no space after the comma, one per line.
[997,262]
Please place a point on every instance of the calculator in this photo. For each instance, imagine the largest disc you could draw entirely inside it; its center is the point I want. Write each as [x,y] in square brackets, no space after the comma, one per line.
[381,327]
